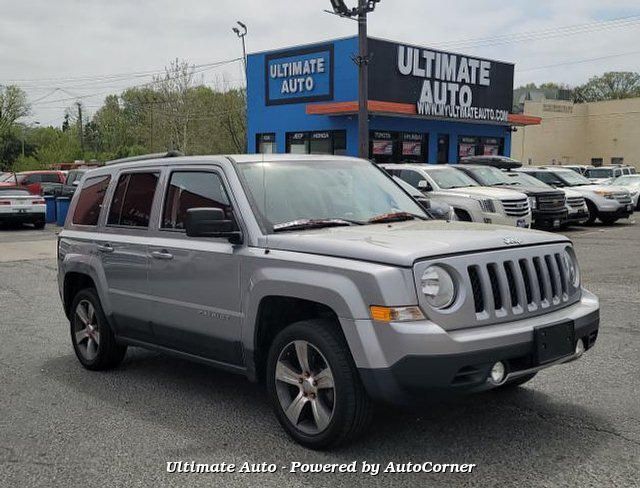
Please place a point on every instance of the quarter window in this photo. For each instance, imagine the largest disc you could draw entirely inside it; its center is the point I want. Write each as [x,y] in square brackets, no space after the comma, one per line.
[192,189]
[90,201]
[132,200]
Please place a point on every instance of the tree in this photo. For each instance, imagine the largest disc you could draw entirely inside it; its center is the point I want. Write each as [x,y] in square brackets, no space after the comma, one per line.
[610,86]
[13,106]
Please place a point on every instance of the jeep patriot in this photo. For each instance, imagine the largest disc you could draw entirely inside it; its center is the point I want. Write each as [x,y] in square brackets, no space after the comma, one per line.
[318,276]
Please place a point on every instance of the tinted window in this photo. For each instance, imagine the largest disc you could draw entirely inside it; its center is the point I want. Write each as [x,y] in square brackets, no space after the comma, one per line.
[29,179]
[90,200]
[49,178]
[411,177]
[190,189]
[132,200]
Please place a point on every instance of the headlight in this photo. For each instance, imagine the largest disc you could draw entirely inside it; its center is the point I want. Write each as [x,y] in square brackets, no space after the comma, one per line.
[571,267]
[605,193]
[487,206]
[533,203]
[438,287]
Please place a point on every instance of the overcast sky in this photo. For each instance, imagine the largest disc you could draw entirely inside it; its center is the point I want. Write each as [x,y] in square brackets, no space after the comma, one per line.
[44,41]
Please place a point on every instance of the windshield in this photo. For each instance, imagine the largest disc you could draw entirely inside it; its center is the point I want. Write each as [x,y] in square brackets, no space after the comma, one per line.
[350,190]
[599,173]
[489,176]
[447,178]
[527,180]
[571,178]
[626,181]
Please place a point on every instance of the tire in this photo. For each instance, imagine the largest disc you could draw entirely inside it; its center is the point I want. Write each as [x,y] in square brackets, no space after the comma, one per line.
[463,215]
[344,411]
[608,220]
[517,382]
[593,213]
[39,225]
[92,337]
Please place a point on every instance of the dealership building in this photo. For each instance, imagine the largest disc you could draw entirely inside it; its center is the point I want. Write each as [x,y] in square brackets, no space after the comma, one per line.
[424,105]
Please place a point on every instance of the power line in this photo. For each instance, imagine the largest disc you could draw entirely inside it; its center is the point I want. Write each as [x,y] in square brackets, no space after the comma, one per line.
[543,34]
[579,61]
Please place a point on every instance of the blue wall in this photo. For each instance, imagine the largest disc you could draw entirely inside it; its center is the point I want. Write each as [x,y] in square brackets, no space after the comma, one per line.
[281,119]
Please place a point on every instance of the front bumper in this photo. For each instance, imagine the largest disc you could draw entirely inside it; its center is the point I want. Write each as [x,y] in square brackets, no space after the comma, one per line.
[549,220]
[440,363]
[579,217]
[621,213]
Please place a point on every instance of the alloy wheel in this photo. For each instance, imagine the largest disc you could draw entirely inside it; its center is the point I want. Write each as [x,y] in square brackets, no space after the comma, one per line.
[86,330]
[305,387]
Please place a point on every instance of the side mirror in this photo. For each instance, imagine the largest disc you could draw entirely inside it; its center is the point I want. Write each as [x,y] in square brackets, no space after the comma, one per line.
[211,222]
[424,185]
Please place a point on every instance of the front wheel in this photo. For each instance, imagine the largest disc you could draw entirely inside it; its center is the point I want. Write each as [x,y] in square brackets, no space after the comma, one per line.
[608,220]
[593,213]
[314,386]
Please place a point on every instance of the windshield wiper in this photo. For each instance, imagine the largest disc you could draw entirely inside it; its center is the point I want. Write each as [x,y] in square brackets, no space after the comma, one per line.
[302,224]
[393,217]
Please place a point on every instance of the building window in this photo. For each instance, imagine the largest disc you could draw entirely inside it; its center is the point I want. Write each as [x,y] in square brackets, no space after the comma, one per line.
[443,148]
[266,143]
[597,161]
[480,146]
[617,160]
[319,142]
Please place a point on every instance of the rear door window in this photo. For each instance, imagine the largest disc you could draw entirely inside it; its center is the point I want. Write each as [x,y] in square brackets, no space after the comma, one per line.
[192,189]
[132,200]
[90,201]
[50,178]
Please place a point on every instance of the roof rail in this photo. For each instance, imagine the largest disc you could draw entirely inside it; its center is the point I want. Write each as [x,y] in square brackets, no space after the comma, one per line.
[144,157]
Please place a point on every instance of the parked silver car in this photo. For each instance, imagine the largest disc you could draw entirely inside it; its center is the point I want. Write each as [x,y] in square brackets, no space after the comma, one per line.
[317,275]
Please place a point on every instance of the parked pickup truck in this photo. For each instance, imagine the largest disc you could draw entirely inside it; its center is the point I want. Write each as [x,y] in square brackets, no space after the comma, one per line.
[318,276]
[548,205]
[471,202]
[34,181]
[605,202]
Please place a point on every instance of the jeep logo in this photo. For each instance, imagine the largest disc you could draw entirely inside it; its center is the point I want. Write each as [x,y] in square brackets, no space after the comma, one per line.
[512,241]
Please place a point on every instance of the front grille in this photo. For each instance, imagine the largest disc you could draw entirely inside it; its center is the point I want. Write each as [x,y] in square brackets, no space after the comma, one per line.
[575,202]
[514,286]
[516,208]
[554,201]
[623,198]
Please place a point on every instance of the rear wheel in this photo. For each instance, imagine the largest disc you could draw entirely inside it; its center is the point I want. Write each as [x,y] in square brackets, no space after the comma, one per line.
[39,225]
[608,220]
[314,386]
[92,338]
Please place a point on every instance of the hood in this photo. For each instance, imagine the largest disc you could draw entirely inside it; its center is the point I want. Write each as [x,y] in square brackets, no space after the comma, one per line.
[404,243]
[532,190]
[482,192]
[595,187]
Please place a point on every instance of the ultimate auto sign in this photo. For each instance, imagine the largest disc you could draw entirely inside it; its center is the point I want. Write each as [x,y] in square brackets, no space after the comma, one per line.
[441,84]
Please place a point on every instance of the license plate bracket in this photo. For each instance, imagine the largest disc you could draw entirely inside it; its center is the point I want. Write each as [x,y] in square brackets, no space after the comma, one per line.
[553,342]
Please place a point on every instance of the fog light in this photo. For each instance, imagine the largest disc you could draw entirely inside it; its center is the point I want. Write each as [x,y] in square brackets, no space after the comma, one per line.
[579,347]
[497,373]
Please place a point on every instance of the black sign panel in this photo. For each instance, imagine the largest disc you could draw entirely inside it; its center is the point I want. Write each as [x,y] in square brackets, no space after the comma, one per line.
[440,84]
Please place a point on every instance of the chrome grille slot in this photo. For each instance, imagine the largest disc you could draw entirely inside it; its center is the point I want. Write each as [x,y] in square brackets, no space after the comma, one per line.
[624,198]
[516,208]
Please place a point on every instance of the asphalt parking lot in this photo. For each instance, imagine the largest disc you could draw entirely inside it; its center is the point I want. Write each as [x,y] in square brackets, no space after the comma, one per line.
[575,425]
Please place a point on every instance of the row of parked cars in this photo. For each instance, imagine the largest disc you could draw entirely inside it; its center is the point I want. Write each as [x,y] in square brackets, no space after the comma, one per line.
[499,190]
[21,194]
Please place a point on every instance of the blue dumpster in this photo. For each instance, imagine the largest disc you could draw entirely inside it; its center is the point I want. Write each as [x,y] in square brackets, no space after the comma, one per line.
[50,200]
[62,207]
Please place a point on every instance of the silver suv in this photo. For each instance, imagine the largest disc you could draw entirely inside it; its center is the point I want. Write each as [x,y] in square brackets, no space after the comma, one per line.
[320,277]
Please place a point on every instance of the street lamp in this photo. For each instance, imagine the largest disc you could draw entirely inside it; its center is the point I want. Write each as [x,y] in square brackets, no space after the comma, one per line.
[362,60]
[241,33]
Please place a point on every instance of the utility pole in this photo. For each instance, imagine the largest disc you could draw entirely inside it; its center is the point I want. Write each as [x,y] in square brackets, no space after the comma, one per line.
[363,81]
[80,128]
[362,60]
[242,33]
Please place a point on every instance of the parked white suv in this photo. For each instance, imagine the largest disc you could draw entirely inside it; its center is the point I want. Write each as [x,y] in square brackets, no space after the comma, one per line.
[471,202]
[605,202]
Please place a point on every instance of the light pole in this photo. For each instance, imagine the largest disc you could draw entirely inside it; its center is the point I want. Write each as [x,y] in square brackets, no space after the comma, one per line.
[242,33]
[362,60]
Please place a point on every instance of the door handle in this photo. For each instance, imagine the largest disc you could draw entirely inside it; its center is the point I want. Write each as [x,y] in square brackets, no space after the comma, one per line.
[161,254]
[105,248]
